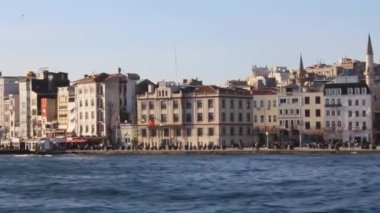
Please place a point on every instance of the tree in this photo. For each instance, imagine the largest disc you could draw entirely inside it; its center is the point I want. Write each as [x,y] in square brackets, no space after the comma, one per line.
[110,112]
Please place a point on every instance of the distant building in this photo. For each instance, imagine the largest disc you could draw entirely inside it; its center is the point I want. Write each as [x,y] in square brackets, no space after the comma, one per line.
[32,90]
[170,114]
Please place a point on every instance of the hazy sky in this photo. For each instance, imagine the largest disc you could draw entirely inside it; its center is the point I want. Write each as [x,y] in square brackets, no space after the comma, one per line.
[216,40]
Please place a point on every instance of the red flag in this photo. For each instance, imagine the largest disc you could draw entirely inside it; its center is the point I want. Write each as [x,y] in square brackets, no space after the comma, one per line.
[151,122]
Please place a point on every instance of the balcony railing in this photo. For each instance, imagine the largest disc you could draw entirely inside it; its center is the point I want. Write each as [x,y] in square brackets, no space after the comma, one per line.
[333,105]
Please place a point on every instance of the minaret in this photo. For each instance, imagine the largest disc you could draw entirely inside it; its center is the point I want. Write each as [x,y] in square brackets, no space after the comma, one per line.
[369,68]
[301,74]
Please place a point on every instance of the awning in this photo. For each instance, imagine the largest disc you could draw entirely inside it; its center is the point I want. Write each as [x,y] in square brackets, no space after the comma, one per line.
[77,140]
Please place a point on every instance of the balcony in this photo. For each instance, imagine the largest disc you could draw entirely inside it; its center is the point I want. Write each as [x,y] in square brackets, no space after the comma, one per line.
[333,105]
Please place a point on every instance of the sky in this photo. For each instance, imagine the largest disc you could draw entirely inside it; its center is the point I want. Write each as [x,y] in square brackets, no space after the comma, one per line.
[212,40]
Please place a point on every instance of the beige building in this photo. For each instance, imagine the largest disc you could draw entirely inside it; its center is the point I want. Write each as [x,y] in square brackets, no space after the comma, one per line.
[171,114]
[63,99]
[300,115]
[265,112]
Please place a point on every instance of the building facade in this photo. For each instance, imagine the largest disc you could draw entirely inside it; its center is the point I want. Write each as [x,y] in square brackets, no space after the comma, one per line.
[194,116]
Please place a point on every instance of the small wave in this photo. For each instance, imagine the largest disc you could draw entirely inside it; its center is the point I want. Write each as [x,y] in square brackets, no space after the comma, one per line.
[24,155]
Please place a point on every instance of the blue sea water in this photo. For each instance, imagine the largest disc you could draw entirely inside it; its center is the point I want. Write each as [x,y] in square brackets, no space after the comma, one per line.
[190,183]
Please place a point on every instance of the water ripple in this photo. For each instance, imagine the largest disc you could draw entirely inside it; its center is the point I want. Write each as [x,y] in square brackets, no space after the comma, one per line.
[190,183]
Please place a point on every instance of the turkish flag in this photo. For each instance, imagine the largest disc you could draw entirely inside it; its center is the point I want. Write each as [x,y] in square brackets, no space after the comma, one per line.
[151,122]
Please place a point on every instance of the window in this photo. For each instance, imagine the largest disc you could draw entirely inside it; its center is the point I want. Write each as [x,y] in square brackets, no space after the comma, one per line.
[223,133]
[231,103]
[332,112]
[210,103]
[175,104]
[307,113]
[248,104]
[363,113]
[349,102]
[240,104]
[223,104]
[232,117]
[274,118]
[211,131]
[210,116]
[232,131]
[86,116]
[262,119]
[240,117]
[143,105]
[248,117]
[254,104]
[188,104]
[318,125]
[200,132]
[349,91]
[318,113]
[327,112]
[274,103]
[307,125]
[92,115]
[356,102]
[255,118]
[240,130]
[92,102]
[338,113]
[261,104]
[307,100]
[280,111]
[364,90]
[338,101]
[357,113]
[175,118]
[363,102]
[188,131]
[317,100]
[199,117]
[269,118]
[364,125]
[349,113]
[143,132]
[223,116]
[163,104]
[294,100]
[151,105]
[282,101]
[163,118]
[339,124]
[199,104]
[188,117]
[327,101]
[86,102]
[177,132]
[166,132]
[327,124]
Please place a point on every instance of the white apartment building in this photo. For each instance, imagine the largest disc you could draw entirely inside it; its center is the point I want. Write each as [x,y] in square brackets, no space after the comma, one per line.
[348,112]
[102,102]
[8,85]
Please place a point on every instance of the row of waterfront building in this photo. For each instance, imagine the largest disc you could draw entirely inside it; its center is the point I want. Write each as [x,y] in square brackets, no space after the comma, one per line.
[316,104]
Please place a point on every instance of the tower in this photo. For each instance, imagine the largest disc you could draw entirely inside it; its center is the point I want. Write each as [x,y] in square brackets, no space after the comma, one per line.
[369,67]
[301,74]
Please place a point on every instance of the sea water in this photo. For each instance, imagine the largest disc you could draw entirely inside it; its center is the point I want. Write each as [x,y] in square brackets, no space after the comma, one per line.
[190,183]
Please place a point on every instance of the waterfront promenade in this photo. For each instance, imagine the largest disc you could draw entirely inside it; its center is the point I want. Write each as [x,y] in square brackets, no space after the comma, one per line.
[228,151]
